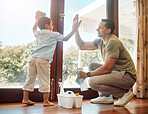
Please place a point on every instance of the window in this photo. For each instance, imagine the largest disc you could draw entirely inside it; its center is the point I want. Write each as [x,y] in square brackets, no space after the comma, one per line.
[90,12]
[128,26]
[17,38]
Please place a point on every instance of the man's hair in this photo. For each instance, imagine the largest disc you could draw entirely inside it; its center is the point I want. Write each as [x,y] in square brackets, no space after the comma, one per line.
[109,24]
[42,22]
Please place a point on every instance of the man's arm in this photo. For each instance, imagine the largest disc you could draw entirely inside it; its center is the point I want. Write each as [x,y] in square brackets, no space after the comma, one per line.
[81,44]
[84,45]
[106,68]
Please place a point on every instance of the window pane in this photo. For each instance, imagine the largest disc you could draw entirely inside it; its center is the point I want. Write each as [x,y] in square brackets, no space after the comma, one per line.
[90,12]
[17,40]
[128,26]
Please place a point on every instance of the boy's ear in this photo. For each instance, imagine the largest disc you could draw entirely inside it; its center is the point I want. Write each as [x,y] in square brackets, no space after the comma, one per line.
[46,26]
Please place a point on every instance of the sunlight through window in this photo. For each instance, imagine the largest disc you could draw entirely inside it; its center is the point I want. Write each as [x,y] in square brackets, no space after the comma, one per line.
[17,38]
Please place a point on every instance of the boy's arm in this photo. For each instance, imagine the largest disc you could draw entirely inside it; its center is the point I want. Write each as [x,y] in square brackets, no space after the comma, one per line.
[35,27]
[69,35]
[38,15]
[76,24]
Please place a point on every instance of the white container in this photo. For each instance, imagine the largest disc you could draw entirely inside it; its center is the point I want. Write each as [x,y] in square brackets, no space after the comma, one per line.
[59,100]
[67,102]
[78,101]
[70,100]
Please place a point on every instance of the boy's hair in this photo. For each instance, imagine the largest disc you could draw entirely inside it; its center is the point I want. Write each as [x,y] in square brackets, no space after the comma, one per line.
[42,22]
[109,24]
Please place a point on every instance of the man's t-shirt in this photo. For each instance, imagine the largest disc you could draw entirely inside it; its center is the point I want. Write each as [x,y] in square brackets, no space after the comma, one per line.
[115,49]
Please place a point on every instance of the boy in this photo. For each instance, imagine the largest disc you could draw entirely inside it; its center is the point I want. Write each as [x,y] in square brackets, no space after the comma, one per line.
[39,64]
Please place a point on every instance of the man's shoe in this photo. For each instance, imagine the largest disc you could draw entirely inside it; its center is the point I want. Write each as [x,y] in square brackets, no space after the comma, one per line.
[102,100]
[125,99]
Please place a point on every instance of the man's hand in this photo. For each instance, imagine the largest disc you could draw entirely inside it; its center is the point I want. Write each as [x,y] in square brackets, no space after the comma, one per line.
[82,74]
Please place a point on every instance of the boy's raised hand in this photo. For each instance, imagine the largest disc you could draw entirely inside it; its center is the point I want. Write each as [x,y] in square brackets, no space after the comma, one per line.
[74,28]
[75,20]
[76,23]
[39,14]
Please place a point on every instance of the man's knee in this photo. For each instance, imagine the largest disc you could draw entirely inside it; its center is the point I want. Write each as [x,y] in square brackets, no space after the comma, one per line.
[92,83]
[90,67]
[96,85]
[94,66]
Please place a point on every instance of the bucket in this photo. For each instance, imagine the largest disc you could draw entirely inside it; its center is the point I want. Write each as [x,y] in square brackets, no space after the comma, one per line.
[70,100]
[78,101]
[67,102]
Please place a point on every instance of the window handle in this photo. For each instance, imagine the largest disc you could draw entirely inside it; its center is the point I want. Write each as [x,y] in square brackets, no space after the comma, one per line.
[52,80]
[58,84]
[62,16]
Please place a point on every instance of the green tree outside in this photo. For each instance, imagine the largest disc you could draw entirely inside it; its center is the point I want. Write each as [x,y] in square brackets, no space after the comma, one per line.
[14,62]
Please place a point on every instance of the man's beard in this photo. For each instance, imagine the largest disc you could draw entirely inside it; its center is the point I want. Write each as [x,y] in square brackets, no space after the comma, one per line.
[99,35]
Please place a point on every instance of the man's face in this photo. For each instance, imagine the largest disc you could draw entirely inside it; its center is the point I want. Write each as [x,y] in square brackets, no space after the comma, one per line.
[102,30]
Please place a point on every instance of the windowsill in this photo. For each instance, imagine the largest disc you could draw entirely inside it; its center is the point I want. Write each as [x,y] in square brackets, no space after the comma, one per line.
[14,87]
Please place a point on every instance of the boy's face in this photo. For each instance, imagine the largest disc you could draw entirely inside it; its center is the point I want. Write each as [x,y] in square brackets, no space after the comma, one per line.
[50,26]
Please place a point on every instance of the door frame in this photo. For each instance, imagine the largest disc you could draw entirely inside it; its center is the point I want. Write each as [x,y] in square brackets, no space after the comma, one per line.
[56,15]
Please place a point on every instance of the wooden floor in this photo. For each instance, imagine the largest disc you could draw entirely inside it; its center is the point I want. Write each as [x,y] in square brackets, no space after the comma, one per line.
[135,106]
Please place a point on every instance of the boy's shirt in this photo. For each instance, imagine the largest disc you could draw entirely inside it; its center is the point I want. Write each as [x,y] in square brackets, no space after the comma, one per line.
[46,41]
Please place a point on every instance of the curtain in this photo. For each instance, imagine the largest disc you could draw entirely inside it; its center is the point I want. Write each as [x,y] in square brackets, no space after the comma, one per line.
[142,49]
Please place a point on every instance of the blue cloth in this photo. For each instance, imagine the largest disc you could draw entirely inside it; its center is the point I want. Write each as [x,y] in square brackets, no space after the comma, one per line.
[46,42]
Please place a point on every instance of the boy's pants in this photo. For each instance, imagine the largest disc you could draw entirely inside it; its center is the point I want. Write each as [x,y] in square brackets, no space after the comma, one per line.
[115,83]
[40,67]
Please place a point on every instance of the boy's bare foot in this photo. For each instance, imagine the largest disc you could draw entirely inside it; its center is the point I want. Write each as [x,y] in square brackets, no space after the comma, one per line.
[28,102]
[46,104]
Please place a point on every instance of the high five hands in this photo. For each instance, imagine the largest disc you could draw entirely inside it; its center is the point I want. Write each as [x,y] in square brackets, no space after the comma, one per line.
[76,22]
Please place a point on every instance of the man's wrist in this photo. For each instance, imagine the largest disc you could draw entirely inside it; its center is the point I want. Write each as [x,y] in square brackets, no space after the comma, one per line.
[88,74]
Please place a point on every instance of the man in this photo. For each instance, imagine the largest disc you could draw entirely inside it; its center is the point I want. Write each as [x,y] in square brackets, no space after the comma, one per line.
[117,75]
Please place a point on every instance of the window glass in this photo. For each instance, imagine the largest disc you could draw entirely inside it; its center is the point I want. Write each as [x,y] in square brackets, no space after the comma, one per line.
[128,26]
[90,12]
[17,40]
